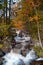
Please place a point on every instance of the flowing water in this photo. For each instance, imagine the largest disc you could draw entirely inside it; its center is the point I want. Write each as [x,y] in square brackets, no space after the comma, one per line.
[17,59]
[13,58]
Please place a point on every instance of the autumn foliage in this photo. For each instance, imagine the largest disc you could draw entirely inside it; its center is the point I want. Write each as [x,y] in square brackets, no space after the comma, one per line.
[18,24]
[25,14]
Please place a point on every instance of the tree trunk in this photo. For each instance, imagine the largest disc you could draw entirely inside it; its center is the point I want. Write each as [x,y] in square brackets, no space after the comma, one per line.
[9,10]
[38,30]
[39,34]
[6,11]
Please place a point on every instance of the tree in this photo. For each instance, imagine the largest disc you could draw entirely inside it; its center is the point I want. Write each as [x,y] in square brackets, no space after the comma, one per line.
[25,12]
[37,24]
[28,11]
[9,10]
[3,7]
[6,10]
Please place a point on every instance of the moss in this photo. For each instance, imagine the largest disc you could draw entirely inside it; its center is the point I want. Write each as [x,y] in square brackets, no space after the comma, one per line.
[1,46]
[39,51]
[4,29]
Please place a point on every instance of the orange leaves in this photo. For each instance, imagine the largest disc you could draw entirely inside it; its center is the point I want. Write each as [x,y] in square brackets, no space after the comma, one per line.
[35,17]
[30,19]
[18,25]
[26,6]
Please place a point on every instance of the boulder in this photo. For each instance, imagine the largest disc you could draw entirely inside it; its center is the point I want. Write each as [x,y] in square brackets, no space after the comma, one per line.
[38,61]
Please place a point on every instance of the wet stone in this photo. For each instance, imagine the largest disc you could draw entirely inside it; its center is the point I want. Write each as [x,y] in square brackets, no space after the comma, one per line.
[1,53]
[18,46]
[37,62]
[1,61]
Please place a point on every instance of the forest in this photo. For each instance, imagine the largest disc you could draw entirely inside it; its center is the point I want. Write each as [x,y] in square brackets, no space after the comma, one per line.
[19,20]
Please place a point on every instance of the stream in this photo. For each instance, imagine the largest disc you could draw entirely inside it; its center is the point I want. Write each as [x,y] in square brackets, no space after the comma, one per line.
[17,59]
[13,58]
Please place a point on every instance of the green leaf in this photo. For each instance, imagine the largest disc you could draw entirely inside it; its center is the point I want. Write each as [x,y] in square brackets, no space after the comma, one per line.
[0,6]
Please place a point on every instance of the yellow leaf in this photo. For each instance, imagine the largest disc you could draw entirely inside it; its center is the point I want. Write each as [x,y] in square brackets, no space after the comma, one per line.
[36,17]
[31,19]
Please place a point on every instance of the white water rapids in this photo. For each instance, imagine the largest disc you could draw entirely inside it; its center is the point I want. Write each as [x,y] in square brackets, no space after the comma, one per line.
[17,59]
[13,58]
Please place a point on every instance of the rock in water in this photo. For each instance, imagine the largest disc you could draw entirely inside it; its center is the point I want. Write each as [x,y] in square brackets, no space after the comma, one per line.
[1,53]
[30,57]
[17,59]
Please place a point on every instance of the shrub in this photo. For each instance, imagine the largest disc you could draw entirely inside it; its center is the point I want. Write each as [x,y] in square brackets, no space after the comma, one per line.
[39,51]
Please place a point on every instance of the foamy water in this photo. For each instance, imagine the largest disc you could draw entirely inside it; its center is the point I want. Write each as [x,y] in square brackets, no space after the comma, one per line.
[17,59]
[13,58]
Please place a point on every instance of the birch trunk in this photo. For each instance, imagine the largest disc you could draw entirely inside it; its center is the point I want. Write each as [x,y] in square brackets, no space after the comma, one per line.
[38,30]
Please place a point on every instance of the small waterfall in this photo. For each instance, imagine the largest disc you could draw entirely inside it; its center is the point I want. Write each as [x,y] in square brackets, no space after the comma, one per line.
[13,58]
[30,57]
[17,59]
[17,31]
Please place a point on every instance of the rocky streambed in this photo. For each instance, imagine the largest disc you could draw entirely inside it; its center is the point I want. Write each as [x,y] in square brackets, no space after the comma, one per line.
[20,52]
